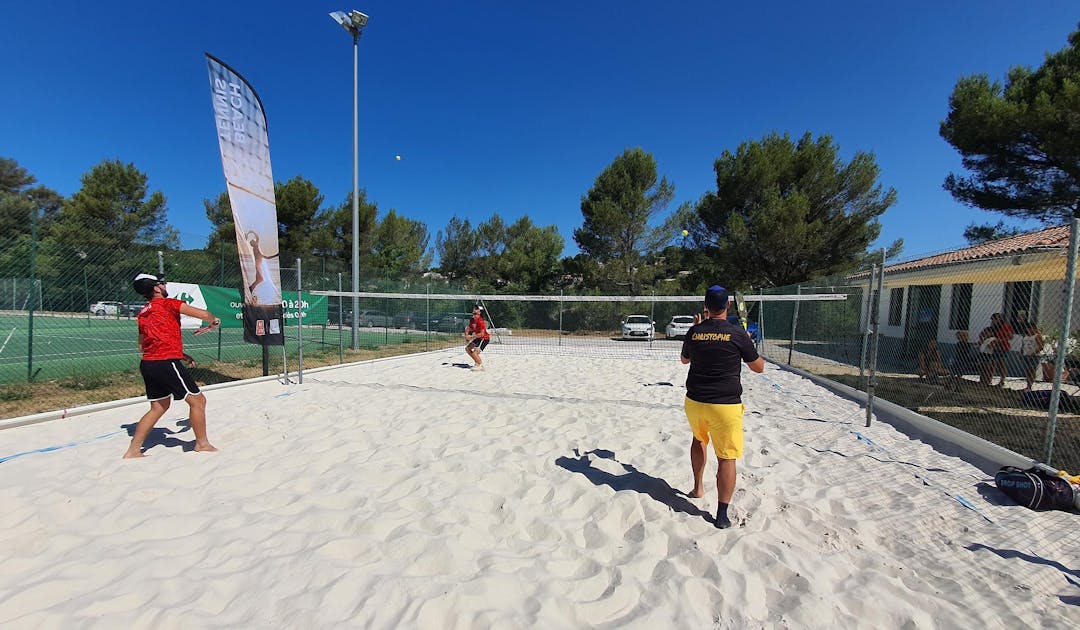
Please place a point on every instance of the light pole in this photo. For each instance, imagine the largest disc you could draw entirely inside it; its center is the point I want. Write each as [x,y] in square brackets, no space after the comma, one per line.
[86,287]
[354,22]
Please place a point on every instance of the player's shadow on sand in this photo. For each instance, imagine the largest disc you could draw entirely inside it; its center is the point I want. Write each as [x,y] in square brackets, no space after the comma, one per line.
[1072,576]
[163,436]
[632,479]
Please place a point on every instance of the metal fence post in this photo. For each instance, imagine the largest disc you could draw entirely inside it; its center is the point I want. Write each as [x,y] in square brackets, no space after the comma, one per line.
[794,323]
[33,273]
[340,323]
[866,322]
[1063,339]
[299,325]
[872,381]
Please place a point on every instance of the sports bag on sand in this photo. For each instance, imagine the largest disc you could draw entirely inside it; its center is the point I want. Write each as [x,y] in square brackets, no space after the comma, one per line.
[1035,488]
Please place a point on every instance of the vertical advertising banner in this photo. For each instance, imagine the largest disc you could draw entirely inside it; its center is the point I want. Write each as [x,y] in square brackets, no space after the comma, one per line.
[245,157]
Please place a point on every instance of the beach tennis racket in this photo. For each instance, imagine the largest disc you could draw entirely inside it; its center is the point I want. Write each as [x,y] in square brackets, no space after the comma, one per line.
[740,308]
[207,328]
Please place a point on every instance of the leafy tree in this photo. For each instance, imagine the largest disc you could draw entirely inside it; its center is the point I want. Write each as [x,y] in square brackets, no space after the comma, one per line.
[19,197]
[978,234]
[115,208]
[787,212]
[401,246]
[457,245]
[1020,141]
[521,256]
[617,211]
[109,230]
[298,214]
[491,237]
[219,213]
[530,259]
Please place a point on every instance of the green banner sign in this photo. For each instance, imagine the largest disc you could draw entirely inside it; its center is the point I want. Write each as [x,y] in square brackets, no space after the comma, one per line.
[226,304]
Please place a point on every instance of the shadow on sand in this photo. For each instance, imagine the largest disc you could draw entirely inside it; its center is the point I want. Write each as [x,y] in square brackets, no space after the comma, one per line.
[162,436]
[632,479]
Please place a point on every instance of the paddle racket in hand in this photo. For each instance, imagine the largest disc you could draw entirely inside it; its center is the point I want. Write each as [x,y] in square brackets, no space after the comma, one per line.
[207,328]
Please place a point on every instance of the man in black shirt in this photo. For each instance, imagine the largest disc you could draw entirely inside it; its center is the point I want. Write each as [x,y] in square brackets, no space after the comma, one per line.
[715,350]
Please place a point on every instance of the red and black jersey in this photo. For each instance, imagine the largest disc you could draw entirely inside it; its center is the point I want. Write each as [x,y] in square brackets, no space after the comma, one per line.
[478,328]
[159,330]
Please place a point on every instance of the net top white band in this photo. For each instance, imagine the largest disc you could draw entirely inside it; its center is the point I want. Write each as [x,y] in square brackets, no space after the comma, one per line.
[750,297]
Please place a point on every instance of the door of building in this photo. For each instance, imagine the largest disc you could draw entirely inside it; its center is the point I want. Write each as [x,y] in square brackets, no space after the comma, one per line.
[924,306]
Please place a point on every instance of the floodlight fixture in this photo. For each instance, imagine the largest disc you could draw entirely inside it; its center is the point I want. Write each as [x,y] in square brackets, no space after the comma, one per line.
[353,21]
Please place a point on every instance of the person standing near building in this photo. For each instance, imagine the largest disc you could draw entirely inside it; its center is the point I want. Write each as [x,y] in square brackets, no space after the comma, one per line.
[163,358]
[477,337]
[1003,333]
[715,349]
[1031,347]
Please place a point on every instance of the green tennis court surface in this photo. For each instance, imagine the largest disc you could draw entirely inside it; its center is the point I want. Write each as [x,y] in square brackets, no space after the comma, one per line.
[70,345]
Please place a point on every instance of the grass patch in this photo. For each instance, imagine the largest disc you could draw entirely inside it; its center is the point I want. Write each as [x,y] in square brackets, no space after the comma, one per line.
[85,383]
[28,398]
[15,392]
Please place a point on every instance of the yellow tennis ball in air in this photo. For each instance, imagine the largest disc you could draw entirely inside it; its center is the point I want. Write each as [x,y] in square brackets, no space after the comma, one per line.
[397,157]
[685,232]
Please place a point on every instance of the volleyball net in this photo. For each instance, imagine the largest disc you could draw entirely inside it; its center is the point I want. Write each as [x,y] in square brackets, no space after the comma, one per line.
[637,326]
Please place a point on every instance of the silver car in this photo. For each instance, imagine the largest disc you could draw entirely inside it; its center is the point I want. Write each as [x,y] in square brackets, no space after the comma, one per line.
[678,326]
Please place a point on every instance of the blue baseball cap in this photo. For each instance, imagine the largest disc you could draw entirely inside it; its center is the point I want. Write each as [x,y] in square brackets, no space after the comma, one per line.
[716,298]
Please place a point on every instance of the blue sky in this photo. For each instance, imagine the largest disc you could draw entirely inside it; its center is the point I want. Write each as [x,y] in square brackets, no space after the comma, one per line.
[509,107]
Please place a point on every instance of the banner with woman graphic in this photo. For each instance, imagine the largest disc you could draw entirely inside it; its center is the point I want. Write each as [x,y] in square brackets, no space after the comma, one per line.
[245,157]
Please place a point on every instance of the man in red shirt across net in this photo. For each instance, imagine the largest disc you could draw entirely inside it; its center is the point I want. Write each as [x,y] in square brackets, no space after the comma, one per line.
[477,336]
[163,358]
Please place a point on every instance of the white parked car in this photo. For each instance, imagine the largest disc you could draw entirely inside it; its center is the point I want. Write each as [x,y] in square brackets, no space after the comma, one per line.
[638,327]
[107,308]
[678,326]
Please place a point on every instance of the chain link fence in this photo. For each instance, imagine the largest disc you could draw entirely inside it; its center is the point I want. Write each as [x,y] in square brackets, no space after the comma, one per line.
[971,345]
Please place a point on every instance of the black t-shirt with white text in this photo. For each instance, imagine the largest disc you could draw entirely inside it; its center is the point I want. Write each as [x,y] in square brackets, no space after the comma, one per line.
[717,350]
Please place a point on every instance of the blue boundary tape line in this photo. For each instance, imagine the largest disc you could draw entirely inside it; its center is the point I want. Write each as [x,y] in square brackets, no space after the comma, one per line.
[863,438]
[49,449]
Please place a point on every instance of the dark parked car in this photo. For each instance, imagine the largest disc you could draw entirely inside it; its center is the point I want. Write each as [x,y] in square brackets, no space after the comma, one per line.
[132,309]
[373,318]
[332,316]
[367,319]
[453,322]
[409,319]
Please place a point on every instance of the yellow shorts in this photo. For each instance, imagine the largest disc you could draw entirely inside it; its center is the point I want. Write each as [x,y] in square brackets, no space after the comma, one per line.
[720,423]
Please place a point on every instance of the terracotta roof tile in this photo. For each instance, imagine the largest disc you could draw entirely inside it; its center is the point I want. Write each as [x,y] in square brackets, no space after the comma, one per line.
[1049,238]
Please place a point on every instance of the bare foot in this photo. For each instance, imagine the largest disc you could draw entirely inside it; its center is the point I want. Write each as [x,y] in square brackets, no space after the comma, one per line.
[696,494]
[130,455]
[205,448]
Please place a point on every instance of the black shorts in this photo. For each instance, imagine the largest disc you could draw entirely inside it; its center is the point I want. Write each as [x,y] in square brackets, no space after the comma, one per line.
[479,344]
[167,377]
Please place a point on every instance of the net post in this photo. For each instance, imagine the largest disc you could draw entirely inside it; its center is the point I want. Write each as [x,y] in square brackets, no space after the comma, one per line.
[871,383]
[560,315]
[299,324]
[866,324]
[794,323]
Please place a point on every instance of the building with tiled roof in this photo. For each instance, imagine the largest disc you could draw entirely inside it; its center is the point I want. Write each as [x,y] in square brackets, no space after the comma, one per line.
[934,297]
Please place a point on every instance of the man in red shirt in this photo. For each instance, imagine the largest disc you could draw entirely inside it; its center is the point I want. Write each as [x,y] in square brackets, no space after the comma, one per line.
[163,358]
[477,336]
